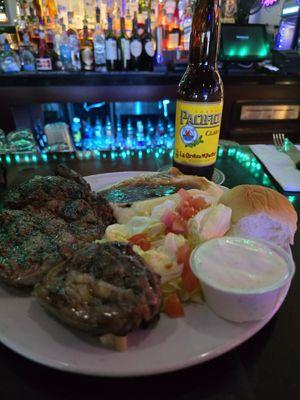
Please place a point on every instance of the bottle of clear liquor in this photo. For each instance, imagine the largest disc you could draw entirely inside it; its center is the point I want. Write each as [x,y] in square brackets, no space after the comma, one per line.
[26,55]
[9,59]
[73,43]
[65,51]
[99,44]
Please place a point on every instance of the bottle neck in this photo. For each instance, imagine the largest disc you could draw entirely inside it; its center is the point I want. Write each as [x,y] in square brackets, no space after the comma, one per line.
[123,25]
[110,25]
[204,43]
[148,26]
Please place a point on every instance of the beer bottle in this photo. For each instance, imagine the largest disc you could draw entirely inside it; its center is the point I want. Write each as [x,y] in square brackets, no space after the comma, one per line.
[200,96]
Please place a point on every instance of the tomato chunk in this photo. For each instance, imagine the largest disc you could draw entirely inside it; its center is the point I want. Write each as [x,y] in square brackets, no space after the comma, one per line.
[141,240]
[179,226]
[189,280]
[185,196]
[198,203]
[183,254]
[173,307]
[168,218]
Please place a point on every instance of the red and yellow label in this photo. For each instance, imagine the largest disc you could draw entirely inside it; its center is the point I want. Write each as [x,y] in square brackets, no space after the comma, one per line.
[197,132]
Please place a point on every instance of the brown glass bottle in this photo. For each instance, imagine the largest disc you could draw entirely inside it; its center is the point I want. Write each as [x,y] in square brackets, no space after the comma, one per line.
[200,96]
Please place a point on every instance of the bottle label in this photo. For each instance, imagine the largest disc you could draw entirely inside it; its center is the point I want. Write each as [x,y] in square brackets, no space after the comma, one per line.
[125,48]
[173,40]
[44,64]
[111,50]
[197,132]
[99,50]
[87,57]
[149,48]
[136,48]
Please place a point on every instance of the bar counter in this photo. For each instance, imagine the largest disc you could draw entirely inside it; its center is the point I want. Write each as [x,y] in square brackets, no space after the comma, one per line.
[19,91]
[266,366]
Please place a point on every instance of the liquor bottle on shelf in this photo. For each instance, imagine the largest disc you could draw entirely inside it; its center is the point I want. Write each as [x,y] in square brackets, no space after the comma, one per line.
[73,43]
[165,29]
[148,48]
[136,46]
[44,59]
[111,47]
[76,131]
[65,50]
[187,27]
[87,53]
[130,141]
[119,137]
[123,49]
[174,32]
[56,58]
[88,135]
[99,137]
[109,135]
[26,55]
[9,59]
[128,23]
[99,44]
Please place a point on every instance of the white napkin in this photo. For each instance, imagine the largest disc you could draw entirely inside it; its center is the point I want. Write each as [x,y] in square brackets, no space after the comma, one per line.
[280,166]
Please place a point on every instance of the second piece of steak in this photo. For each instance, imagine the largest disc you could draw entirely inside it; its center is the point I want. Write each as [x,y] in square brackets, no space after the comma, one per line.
[103,289]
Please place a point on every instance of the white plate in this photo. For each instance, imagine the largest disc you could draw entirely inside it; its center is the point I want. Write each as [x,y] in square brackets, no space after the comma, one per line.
[173,344]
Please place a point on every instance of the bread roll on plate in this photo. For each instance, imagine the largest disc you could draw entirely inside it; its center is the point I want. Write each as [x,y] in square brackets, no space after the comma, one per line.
[262,213]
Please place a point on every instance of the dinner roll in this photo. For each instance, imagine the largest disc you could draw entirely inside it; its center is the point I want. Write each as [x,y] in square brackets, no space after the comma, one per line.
[262,213]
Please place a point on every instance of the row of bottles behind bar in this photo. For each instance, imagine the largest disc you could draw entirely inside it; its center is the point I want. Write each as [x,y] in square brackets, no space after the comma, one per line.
[101,135]
[63,47]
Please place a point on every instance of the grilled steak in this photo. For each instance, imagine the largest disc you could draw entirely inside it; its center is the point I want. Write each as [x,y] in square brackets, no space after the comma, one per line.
[30,245]
[102,288]
[47,218]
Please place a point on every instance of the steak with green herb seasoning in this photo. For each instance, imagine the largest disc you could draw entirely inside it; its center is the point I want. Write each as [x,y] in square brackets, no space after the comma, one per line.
[103,288]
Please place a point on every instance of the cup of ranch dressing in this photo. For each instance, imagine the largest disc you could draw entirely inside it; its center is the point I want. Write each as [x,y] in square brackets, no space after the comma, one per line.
[242,279]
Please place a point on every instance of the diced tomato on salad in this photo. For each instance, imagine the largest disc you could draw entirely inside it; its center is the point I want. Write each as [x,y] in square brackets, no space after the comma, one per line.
[172,306]
[189,280]
[176,221]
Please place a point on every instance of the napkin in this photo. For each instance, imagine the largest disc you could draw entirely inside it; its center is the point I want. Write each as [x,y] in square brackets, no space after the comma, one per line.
[280,166]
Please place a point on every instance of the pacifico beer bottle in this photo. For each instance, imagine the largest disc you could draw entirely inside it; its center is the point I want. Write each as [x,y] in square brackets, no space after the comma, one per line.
[200,96]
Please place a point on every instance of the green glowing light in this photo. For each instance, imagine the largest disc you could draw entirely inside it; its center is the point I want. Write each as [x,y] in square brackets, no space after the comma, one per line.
[34,158]
[171,153]
[8,159]
[140,154]
[44,157]
[220,152]
[292,199]
[243,51]
[17,158]
[148,151]
[231,52]
[248,164]
[104,155]
[26,159]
